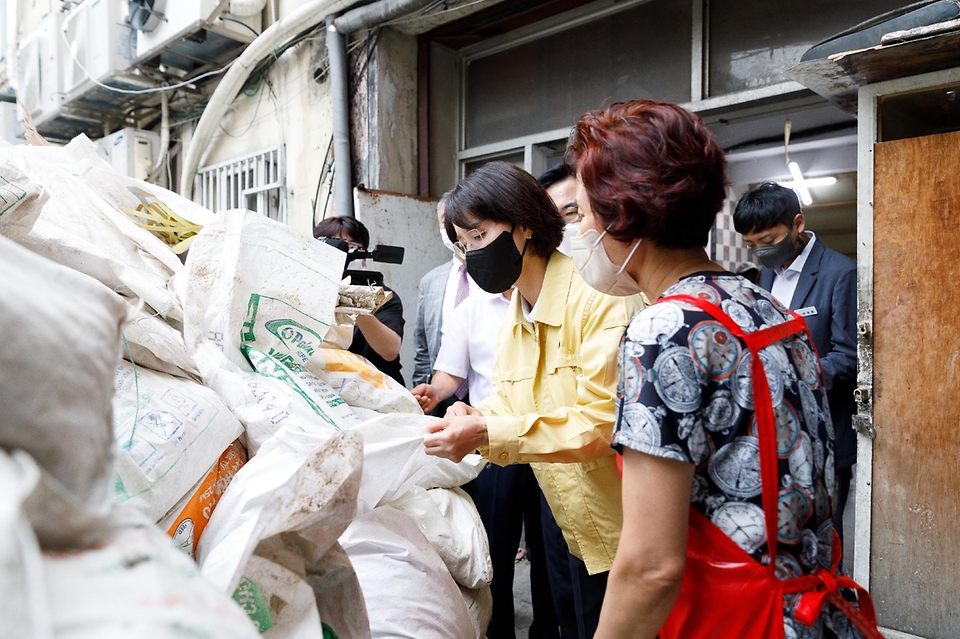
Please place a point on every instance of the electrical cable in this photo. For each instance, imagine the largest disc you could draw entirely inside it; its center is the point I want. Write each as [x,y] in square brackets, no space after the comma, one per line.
[327,164]
[249,125]
[63,34]
[241,22]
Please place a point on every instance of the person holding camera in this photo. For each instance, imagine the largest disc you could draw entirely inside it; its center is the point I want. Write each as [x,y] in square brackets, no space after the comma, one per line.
[376,337]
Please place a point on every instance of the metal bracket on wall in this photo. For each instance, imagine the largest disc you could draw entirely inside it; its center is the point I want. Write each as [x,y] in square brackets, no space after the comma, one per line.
[863,395]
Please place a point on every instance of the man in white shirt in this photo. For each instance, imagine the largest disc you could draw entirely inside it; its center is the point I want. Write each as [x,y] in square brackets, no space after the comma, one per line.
[439,290]
[507,498]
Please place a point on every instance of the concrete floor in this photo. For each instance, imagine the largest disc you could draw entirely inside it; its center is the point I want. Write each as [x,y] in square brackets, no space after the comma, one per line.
[522,606]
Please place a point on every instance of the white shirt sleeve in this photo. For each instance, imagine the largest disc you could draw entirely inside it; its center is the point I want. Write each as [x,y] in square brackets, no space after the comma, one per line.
[454,355]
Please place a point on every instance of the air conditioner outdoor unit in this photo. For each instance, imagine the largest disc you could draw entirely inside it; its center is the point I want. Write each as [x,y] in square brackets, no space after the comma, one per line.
[39,78]
[11,130]
[130,151]
[185,32]
[96,37]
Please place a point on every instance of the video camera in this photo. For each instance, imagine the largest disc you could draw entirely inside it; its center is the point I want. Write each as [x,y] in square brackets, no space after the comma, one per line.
[382,253]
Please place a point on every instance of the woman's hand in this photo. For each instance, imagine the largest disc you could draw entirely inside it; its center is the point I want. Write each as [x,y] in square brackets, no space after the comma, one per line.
[427,396]
[461,409]
[454,438]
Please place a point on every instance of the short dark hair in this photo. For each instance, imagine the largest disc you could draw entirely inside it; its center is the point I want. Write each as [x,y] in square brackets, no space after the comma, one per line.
[557,174]
[764,207]
[343,225]
[503,192]
[651,170]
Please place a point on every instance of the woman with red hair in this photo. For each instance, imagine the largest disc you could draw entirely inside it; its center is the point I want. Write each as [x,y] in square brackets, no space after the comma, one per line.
[722,416]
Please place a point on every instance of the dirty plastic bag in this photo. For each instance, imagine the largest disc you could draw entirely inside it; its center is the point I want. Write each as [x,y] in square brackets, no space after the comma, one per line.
[150,342]
[393,445]
[56,371]
[479,603]
[407,588]
[21,567]
[306,591]
[79,229]
[137,585]
[240,258]
[170,431]
[296,481]
[279,601]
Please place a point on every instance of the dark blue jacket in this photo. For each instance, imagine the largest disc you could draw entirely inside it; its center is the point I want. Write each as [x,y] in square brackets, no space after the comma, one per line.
[828,283]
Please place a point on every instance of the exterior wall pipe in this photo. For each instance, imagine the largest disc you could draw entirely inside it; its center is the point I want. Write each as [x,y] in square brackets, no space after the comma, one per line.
[306,16]
[246,8]
[377,13]
[164,131]
[367,16]
[342,163]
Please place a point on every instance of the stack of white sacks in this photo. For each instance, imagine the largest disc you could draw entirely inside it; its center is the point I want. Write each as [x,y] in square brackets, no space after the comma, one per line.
[209,402]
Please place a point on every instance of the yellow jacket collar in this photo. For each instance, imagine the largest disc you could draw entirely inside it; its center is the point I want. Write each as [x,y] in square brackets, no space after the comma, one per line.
[555,292]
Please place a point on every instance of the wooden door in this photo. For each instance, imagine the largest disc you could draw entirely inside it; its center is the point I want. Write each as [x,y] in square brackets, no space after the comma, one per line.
[915,536]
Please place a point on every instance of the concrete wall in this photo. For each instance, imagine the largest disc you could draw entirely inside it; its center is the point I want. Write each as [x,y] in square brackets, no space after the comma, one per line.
[293,109]
[444,88]
[410,222]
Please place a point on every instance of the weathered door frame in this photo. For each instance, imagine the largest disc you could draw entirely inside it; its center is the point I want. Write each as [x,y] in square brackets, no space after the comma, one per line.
[867,137]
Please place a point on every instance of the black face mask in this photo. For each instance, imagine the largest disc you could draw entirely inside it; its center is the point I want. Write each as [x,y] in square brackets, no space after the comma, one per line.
[497,266]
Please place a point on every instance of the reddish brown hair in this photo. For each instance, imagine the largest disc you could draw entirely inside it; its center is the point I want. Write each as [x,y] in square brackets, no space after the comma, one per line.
[651,170]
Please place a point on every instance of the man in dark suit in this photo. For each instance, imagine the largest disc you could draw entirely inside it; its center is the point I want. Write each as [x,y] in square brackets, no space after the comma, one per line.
[821,286]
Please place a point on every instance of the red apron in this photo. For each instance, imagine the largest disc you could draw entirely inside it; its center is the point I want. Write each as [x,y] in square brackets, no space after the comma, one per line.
[725,592]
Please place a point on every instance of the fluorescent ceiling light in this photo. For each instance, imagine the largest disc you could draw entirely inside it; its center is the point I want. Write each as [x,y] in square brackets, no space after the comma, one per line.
[800,185]
[810,182]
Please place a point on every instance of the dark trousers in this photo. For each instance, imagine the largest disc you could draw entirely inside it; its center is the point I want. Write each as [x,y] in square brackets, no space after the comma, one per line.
[577,595]
[508,498]
[844,476]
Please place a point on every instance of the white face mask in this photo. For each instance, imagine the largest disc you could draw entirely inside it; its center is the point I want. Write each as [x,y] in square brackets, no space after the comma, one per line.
[597,270]
[570,231]
[447,242]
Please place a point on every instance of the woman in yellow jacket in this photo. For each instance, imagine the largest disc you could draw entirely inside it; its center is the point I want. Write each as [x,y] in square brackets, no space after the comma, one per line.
[555,373]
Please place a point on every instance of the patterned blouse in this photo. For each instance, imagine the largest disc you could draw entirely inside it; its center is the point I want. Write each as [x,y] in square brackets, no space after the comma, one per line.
[685,392]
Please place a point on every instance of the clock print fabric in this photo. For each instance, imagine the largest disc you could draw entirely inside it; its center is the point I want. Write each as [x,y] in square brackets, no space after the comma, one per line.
[685,392]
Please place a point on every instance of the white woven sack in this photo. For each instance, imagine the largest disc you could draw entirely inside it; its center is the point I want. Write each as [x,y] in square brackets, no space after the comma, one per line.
[448,518]
[137,585]
[298,481]
[21,199]
[170,431]
[56,371]
[26,613]
[407,588]
[79,229]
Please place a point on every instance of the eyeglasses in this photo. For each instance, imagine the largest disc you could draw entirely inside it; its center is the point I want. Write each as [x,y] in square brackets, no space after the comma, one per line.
[351,245]
[571,213]
[472,240]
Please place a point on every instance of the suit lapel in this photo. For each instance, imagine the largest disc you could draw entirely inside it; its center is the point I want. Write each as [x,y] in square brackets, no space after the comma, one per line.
[808,276]
[766,278]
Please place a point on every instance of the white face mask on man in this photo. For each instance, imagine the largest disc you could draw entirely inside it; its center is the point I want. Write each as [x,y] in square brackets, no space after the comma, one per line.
[570,231]
[597,270]
[446,241]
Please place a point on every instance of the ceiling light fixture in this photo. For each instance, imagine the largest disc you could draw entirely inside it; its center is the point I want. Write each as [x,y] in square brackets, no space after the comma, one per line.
[800,185]
[810,182]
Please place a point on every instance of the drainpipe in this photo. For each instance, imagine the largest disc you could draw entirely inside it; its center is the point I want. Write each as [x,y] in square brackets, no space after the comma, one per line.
[355,20]
[342,163]
[308,15]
